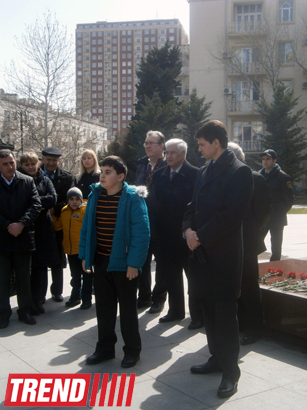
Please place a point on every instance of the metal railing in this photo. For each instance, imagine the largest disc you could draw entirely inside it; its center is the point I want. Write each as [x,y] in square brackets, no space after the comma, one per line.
[246,27]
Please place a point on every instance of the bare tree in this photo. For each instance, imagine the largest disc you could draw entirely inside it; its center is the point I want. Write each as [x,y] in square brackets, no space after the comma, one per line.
[44,74]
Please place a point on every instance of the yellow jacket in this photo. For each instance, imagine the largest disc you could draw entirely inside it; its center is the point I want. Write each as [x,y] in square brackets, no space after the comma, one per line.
[71,223]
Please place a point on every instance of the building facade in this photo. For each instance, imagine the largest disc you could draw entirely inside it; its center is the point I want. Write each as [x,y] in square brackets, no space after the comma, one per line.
[107,57]
[240,50]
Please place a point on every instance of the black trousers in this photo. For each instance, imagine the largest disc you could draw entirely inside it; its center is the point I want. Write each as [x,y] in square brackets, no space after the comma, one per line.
[223,335]
[249,303]
[56,287]
[110,287]
[78,276]
[144,279]
[39,280]
[276,241]
[20,262]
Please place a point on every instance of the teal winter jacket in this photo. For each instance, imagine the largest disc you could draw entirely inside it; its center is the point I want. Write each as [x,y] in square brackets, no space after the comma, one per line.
[131,235]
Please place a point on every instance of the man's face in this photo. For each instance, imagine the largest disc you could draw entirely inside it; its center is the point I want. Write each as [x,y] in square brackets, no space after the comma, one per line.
[152,147]
[50,162]
[174,157]
[268,163]
[8,167]
[208,151]
[109,179]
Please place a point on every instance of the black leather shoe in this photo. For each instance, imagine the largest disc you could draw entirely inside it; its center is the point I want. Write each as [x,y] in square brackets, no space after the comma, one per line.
[129,361]
[27,319]
[39,307]
[86,305]
[144,303]
[72,303]
[4,323]
[170,318]
[205,368]
[195,325]
[249,340]
[98,358]
[57,298]
[227,388]
[34,311]
[156,308]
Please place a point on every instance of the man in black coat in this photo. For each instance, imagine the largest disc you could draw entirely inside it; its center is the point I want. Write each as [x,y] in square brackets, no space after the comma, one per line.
[147,166]
[170,192]
[19,207]
[62,182]
[280,187]
[249,303]
[213,229]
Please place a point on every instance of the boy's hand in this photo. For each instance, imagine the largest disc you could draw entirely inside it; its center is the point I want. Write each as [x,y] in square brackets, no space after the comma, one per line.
[83,267]
[132,273]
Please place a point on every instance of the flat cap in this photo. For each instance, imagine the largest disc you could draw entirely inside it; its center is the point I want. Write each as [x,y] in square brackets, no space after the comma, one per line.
[52,151]
[270,153]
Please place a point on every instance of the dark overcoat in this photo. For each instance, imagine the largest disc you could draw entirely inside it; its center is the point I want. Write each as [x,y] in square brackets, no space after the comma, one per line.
[19,203]
[170,199]
[220,201]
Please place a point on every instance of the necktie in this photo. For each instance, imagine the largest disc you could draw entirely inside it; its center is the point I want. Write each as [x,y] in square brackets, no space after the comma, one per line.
[173,173]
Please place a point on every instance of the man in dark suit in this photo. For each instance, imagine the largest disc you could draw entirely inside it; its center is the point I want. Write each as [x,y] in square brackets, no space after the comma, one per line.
[213,229]
[249,303]
[170,192]
[62,181]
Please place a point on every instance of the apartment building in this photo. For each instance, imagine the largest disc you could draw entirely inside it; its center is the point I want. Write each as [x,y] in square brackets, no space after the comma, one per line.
[107,57]
[238,50]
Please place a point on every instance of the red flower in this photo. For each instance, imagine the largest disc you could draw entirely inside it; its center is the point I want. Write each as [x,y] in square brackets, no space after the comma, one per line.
[303,276]
[270,270]
[279,272]
[291,275]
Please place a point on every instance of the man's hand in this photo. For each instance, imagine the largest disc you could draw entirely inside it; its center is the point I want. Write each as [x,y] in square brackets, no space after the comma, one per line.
[132,273]
[15,228]
[83,267]
[192,239]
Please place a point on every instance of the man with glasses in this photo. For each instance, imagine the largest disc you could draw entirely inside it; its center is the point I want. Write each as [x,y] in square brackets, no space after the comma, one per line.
[147,166]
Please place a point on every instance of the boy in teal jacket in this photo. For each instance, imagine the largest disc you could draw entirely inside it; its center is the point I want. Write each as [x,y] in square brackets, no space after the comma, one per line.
[114,239]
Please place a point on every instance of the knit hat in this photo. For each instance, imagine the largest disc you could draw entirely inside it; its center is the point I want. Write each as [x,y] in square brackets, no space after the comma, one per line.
[74,192]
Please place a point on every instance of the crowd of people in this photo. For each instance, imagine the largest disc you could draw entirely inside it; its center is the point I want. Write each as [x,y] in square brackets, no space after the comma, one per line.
[209,222]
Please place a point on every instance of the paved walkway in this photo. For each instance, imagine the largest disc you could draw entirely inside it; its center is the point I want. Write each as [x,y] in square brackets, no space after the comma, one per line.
[273,370]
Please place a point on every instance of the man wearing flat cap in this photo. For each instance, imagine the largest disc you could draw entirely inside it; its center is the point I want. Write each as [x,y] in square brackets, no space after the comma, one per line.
[280,187]
[62,181]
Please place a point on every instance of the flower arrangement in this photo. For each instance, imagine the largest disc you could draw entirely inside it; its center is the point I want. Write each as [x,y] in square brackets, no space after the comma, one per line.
[288,284]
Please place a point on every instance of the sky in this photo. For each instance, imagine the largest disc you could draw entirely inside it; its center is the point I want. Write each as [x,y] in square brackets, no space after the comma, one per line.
[16,14]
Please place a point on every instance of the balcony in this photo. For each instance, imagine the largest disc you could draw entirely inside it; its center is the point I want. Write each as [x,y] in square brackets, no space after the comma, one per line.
[246,28]
[242,107]
[248,68]
[251,146]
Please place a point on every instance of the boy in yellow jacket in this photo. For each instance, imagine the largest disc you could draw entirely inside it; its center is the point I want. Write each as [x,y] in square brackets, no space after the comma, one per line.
[71,221]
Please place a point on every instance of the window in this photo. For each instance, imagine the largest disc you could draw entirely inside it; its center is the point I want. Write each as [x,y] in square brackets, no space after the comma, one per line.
[285,11]
[248,17]
[248,135]
[288,86]
[285,53]
[244,93]
[171,38]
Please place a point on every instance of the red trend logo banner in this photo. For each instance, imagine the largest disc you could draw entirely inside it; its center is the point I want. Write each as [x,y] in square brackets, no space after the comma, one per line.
[60,390]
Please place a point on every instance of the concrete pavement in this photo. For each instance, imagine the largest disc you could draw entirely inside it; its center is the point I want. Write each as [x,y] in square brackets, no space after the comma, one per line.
[273,370]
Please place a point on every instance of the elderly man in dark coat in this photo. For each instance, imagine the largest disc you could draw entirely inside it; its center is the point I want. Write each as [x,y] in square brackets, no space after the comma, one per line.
[213,229]
[19,207]
[170,192]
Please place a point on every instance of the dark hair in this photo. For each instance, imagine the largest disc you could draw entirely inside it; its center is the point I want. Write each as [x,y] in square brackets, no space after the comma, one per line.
[161,137]
[213,130]
[116,162]
[6,153]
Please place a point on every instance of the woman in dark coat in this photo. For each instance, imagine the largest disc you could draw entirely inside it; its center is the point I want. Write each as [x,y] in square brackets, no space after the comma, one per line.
[46,254]
[89,172]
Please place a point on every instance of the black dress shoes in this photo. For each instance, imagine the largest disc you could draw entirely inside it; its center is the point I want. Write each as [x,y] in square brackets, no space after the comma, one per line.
[86,305]
[57,298]
[206,368]
[143,303]
[98,358]
[249,340]
[195,324]
[27,319]
[129,361]
[4,323]
[170,318]
[227,388]
[72,303]
[156,308]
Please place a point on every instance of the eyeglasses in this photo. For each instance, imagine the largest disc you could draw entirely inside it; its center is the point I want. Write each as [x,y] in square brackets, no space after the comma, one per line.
[150,143]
